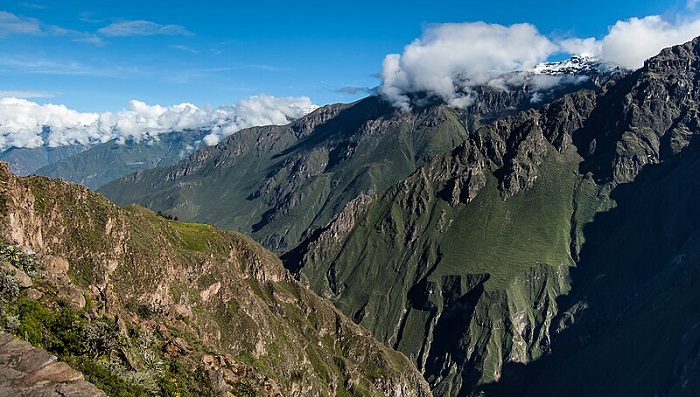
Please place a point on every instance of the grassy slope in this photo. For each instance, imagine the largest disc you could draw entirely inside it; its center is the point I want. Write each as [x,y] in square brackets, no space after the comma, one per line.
[493,243]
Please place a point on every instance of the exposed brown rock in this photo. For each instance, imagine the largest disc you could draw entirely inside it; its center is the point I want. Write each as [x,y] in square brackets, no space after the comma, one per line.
[73,295]
[28,371]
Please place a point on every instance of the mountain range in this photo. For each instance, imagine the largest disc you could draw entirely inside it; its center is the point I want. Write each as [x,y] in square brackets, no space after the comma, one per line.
[505,263]
[281,184]
[537,242]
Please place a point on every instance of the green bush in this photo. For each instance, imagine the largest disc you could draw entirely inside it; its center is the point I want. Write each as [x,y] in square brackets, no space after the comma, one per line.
[20,259]
[34,319]
[105,379]
[9,286]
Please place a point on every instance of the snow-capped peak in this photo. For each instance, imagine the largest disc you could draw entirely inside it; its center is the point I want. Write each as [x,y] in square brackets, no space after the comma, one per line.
[578,65]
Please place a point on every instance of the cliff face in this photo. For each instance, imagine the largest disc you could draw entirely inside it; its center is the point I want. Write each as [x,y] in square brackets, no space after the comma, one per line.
[535,255]
[209,308]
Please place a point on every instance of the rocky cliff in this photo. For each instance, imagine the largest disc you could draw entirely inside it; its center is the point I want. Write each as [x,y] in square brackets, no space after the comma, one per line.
[146,305]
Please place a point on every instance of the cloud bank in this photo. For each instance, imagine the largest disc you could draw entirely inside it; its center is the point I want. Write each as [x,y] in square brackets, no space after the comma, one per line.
[448,60]
[28,124]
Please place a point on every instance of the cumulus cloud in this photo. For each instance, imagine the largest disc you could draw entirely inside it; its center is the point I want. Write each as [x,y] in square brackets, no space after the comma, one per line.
[22,123]
[142,28]
[629,43]
[259,110]
[448,60]
[25,123]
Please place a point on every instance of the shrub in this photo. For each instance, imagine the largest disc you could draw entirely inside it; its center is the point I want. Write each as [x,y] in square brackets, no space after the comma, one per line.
[20,259]
[9,286]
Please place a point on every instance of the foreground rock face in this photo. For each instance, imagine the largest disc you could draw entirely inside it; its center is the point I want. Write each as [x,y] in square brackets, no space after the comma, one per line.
[28,371]
[130,295]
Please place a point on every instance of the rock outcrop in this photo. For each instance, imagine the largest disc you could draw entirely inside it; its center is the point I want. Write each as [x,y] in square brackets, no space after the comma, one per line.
[28,371]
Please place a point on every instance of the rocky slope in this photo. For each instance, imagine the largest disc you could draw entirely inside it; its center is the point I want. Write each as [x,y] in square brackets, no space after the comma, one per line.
[146,305]
[281,185]
[553,253]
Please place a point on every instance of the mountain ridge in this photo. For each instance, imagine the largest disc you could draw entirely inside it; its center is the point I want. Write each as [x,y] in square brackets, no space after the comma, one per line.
[356,149]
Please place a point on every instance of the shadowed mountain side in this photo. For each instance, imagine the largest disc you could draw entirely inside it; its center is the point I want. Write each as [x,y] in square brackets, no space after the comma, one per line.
[629,326]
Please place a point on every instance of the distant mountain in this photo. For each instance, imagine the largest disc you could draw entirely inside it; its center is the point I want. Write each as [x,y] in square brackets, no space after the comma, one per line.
[143,305]
[25,161]
[580,65]
[105,162]
[281,184]
[555,252]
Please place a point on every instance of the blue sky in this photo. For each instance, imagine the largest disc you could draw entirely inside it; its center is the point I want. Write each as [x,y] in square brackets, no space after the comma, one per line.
[95,56]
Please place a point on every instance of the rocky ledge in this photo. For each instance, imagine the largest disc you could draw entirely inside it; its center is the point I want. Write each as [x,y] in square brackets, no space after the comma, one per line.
[28,371]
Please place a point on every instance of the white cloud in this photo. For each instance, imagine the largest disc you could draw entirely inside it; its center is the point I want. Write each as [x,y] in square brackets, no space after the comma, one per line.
[142,28]
[185,48]
[75,35]
[27,124]
[629,43]
[589,47]
[11,24]
[22,122]
[259,110]
[34,6]
[450,58]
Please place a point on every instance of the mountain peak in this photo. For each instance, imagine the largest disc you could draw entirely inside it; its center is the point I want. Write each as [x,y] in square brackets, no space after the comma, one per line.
[578,65]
